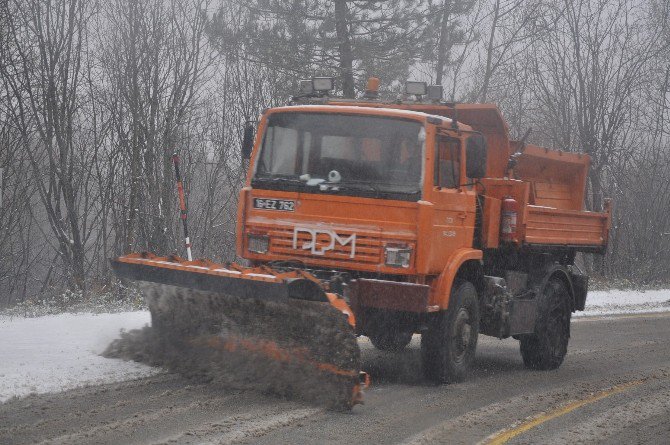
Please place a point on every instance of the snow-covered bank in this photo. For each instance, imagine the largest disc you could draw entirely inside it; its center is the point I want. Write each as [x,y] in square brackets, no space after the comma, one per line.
[612,302]
[60,352]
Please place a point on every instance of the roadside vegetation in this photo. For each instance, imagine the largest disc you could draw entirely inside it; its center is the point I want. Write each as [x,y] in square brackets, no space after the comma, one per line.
[119,299]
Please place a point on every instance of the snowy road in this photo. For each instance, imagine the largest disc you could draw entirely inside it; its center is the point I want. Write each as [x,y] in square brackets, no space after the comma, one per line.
[61,352]
[613,387]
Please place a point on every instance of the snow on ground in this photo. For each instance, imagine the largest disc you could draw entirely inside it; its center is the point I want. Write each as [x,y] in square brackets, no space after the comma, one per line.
[60,352]
[611,302]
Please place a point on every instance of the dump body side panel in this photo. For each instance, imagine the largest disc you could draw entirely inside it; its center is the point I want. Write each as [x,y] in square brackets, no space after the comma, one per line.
[539,225]
[565,227]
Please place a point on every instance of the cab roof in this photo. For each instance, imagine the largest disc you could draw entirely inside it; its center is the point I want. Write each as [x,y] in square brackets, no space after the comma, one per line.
[363,108]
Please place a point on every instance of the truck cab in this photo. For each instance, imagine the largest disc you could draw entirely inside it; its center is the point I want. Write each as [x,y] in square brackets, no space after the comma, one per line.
[348,184]
[427,218]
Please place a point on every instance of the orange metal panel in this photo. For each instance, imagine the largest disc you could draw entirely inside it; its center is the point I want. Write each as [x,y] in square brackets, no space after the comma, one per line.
[559,196]
[316,218]
[441,288]
[491,223]
[241,218]
[558,178]
[519,190]
[451,226]
[565,227]
[424,226]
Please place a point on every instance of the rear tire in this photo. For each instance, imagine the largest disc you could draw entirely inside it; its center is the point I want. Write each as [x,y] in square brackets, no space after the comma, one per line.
[546,348]
[448,346]
[391,340]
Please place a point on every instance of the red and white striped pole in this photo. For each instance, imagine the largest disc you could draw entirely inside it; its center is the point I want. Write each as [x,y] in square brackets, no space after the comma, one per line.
[182,206]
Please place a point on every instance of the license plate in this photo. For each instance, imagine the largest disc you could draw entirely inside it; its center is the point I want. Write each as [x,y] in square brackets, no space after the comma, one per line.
[274,204]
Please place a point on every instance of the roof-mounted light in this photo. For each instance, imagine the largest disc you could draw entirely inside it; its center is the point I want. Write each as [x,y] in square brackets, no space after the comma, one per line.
[435,92]
[415,88]
[372,87]
[323,84]
[306,86]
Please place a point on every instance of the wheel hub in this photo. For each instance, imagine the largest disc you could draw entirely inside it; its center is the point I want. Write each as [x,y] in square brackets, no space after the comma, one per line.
[462,333]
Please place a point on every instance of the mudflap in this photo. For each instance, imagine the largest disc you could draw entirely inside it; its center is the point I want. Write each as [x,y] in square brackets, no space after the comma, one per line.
[290,348]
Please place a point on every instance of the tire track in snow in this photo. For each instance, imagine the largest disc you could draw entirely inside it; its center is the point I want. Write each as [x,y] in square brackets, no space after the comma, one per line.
[242,428]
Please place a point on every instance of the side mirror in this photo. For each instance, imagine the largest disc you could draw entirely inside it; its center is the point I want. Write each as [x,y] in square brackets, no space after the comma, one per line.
[475,152]
[248,141]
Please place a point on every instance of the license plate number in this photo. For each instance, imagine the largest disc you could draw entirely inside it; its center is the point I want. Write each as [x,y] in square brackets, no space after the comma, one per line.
[274,204]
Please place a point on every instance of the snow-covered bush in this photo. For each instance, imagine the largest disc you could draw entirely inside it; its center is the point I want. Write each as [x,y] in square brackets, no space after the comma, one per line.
[118,298]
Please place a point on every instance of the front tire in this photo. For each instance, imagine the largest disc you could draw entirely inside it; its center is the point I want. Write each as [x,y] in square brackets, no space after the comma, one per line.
[448,346]
[546,348]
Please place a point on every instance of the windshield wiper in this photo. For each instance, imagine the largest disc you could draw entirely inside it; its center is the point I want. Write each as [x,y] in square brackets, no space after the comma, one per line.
[334,187]
[384,185]
[369,185]
[279,179]
[348,185]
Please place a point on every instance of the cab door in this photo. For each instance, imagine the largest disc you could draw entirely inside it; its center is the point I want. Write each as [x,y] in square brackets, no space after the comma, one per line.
[453,199]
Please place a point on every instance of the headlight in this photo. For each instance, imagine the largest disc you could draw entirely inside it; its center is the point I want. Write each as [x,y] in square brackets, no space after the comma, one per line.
[398,256]
[258,243]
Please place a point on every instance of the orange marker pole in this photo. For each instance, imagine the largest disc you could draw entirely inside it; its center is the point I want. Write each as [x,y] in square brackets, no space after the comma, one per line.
[182,206]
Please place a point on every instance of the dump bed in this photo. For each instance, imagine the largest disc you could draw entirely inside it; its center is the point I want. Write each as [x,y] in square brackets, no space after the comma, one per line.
[549,187]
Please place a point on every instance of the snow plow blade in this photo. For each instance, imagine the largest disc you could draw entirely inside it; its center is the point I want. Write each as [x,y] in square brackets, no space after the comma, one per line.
[279,332]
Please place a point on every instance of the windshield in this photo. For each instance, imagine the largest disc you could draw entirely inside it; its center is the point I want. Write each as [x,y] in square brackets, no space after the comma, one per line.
[348,154]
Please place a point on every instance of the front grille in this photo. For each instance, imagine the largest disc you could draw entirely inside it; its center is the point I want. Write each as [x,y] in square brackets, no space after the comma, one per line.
[367,248]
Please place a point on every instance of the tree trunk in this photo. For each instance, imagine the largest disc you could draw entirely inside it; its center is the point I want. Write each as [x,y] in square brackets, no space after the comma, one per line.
[442,44]
[135,149]
[344,43]
[483,95]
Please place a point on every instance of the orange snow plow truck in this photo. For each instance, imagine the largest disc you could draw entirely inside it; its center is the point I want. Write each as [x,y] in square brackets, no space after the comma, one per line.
[383,219]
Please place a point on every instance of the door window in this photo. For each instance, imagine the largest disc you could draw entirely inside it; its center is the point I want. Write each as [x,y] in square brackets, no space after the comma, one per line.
[447,163]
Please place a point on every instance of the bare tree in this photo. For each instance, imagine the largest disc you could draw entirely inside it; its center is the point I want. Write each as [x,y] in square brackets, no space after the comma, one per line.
[43,76]
[513,26]
[155,60]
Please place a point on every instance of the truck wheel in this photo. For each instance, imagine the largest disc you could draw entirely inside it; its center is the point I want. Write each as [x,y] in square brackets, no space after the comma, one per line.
[391,340]
[448,346]
[546,348]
